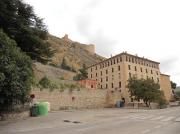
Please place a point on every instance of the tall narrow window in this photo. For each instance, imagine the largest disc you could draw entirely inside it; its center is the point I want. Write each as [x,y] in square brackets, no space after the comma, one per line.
[146,71]
[106,71]
[151,72]
[119,84]
[101,79]
[96,74]
[106,78]
[129,67]
[112,85]
[112,69]
[119,68]
[141,69]
[106,86]
[101,72]
[120,59]
[135,68]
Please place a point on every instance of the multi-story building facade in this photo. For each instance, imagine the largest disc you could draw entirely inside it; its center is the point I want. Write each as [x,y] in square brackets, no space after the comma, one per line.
[113,73]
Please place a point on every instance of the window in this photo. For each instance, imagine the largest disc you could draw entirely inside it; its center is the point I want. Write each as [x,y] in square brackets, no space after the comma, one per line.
[101,72]
[126,58]
[141,69]
[129,67]
[129,59]
[119,84]
[120,59]
[106,78]
[135,68]
[92,86]
[96,74]
[132,60]
[119,68]
[114,61]
[106,86]
[101,79]
[157,72]
[111,62]
[146,71]
[106,71]
[112,69]
[108,63]
[151,72]
[117,60]
[112,85]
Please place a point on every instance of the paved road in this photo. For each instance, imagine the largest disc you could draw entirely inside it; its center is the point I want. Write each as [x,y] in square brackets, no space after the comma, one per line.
[102,121]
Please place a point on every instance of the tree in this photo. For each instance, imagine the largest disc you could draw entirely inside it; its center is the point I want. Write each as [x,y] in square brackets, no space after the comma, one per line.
[82,74]
[15,73]
[20,23]
[173,85]
[145,89]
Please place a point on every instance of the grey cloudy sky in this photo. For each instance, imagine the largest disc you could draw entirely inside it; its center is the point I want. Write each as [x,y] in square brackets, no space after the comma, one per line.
[149,28]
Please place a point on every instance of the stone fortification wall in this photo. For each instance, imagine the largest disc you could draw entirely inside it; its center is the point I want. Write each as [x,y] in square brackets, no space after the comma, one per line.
[77,99]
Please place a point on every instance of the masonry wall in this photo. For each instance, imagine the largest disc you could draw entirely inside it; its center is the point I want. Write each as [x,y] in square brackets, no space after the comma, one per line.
[165,85]
[78,99]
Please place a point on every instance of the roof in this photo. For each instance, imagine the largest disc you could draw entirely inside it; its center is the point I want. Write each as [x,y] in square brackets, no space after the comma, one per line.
[125,53]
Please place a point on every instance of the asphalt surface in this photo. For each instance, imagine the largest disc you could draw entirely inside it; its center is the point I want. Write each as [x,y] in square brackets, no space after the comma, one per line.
[99,121]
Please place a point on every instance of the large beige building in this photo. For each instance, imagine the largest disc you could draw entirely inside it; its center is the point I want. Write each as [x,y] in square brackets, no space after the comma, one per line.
[114,72]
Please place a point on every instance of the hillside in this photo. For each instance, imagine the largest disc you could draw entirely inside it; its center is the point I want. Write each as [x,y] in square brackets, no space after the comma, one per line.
[75,53]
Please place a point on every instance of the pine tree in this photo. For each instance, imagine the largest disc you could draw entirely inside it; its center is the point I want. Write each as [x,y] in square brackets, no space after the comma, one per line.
[20,23]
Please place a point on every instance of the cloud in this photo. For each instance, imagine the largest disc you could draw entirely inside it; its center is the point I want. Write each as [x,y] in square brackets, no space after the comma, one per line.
[168,64]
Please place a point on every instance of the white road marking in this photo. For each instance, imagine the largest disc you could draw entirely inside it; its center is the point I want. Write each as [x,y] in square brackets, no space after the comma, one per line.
[157,118]
[158,126]
[146,131]
[168,119]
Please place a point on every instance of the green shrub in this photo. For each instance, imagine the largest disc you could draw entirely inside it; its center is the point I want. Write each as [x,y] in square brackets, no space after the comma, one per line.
[44,82]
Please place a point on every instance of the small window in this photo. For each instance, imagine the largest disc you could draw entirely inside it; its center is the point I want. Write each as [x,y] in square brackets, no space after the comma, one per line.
[119,68]
[119,84]
[112,69]
[141,69]
[106,71]
[96,74]
[151,72]
[157,72]
[101,79]
[112,85]
[114,61]
[106,78]
[146,71]
[135,68]
[129,67]
[92,86]
[106,86]
[117,60]
[101,72]
[120,59]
